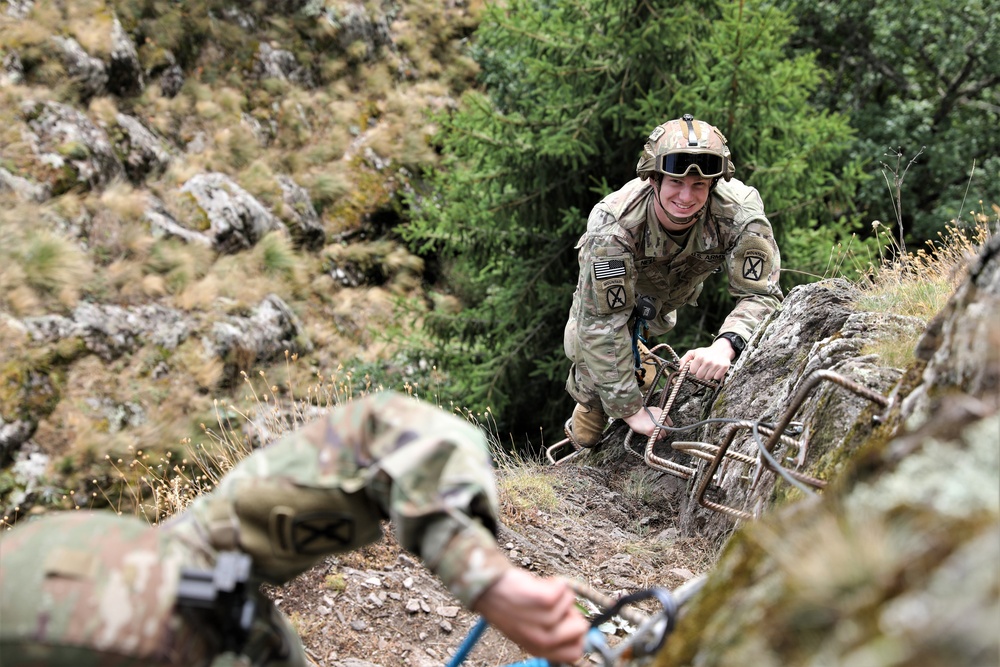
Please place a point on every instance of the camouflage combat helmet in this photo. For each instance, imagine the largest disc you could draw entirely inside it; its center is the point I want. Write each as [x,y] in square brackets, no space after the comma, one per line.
[677,146]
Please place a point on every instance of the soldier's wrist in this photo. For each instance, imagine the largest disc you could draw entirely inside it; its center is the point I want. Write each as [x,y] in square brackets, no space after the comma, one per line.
[735,341]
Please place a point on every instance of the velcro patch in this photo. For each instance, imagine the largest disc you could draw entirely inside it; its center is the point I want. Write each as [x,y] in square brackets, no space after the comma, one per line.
[312,533]
[609,268]
[616,297]
[752,263]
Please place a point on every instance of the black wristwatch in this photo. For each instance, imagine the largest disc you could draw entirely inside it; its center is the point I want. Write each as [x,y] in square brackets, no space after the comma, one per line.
[736,341]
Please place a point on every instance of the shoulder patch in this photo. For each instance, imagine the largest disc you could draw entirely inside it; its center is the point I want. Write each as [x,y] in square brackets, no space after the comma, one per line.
[752,263]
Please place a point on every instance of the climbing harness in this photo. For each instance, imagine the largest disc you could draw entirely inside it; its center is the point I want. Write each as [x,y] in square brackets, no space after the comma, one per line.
[651,631]
[766,436]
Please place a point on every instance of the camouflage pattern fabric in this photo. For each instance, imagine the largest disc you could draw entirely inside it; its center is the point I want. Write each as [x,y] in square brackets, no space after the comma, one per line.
[625,254]
[93,588]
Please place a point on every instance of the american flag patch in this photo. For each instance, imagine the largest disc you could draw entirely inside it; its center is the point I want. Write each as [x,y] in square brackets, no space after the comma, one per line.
[610,268]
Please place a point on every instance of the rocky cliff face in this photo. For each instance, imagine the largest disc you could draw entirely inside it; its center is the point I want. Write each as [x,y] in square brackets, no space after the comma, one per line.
[897,560]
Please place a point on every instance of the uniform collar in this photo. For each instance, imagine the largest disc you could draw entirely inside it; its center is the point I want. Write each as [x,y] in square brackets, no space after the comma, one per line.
[658,242]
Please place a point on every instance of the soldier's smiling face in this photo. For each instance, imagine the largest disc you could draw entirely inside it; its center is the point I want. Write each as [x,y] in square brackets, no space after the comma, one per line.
[682,197]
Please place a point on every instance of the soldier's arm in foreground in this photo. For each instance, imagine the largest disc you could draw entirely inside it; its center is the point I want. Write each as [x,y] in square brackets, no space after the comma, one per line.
[325,489]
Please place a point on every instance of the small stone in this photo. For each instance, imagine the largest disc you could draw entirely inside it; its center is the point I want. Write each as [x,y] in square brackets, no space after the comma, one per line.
[323,610]
[359,626]
[374,600]
[413,606]
[509,545]
[445,627]
[408,582]
[425,607]
[374,582]
[525,562]
[668,535]
[448,612]
[513,554]
[396,596]
[422,636]
[681,572]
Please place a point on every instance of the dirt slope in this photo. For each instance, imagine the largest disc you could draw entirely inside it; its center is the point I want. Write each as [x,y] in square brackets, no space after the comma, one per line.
[381,607]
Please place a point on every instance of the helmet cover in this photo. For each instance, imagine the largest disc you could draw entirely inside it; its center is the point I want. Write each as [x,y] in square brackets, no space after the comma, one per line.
[678,146]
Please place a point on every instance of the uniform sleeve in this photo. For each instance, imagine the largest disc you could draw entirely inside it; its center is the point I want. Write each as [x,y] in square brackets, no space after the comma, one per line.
[606,296]
[754,265]
[326,487]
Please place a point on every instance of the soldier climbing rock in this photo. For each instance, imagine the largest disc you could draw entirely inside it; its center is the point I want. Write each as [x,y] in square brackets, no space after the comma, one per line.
[653,243]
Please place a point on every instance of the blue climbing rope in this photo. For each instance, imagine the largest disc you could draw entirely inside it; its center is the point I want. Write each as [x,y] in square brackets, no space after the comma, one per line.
[470,641]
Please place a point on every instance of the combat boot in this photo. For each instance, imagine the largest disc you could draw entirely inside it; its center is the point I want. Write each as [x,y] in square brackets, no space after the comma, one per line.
[586,426]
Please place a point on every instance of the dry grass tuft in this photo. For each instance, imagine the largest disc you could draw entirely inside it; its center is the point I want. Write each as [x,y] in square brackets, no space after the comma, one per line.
[38,267]
[919,284]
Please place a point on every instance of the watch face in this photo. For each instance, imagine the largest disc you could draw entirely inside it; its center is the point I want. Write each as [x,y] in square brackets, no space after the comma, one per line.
[736,341]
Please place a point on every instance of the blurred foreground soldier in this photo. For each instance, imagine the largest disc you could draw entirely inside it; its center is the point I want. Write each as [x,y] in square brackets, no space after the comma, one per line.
[94,588]
[648,249]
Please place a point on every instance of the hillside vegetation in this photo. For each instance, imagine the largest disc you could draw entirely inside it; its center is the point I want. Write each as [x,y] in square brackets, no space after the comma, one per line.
[173,166]
[203,201]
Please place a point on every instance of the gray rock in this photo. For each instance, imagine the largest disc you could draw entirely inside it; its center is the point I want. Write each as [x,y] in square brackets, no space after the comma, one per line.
[11,69]
[305,226]
[816,328]
[13,435]
[19,9]
[110,331]
[89,73]
[236,219]
[172,80]
[274,63]
[24,189]
[77,151]
[162,223]
[124,71]
[355,24]
[896,561]
[271,329]
[142,152]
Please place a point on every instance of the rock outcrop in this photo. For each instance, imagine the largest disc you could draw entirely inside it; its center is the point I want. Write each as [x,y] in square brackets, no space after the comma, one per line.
[895,563]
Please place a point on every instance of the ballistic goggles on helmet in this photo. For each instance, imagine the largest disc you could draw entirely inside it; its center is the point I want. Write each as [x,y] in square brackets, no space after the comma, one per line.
[709,165]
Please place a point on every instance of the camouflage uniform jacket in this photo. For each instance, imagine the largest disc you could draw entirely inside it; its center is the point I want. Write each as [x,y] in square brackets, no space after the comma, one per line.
[625,254]
[94,588]
[325,488]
